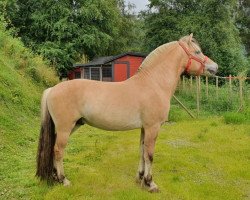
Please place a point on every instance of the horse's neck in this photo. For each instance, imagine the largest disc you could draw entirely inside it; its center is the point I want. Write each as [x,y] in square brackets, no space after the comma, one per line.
[164,74]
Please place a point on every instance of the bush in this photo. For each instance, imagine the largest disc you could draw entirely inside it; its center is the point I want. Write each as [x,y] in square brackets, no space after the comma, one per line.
[234,118]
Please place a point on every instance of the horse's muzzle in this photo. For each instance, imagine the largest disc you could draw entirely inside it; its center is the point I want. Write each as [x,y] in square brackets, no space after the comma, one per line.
[211,68]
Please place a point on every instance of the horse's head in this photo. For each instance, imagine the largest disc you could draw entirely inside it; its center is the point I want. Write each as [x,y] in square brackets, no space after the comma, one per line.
[197,62]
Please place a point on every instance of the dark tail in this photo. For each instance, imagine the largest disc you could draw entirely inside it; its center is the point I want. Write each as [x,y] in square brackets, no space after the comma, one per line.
[45,152]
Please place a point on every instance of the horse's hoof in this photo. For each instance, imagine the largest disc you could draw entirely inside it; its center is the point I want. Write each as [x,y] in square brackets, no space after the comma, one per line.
[154,189]
[66,182]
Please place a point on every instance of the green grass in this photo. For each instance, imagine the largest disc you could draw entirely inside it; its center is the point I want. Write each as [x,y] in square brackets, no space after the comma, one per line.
[239,117]
[194,159]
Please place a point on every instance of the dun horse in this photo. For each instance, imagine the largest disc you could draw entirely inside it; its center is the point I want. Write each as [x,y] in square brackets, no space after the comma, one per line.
[143,101]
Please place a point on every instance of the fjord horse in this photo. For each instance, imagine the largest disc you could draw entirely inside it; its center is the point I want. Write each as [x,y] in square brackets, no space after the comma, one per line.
[142,101]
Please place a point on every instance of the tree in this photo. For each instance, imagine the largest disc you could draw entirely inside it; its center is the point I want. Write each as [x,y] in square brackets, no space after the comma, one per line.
[211,21]
[131,33]
[64,30]
[243,22]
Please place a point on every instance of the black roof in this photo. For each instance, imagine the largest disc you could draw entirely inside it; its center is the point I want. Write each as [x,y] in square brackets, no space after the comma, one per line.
[107,59]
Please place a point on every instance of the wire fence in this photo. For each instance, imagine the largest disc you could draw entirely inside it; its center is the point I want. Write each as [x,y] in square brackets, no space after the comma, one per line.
[216,93]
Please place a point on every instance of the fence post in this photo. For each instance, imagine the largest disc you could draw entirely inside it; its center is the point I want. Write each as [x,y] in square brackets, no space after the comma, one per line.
[217,86]
[197,95]
[230,88]
[199,79]
[207,87]
[241,93]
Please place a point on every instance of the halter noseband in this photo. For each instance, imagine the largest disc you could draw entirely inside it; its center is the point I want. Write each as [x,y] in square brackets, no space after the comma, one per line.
[191,57]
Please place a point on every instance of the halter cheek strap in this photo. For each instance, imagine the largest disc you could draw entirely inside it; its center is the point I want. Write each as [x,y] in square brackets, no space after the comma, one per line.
[191,57]
[201,70]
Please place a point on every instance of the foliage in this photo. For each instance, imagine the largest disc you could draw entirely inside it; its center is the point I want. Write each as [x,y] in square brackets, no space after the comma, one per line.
[64,32]
[17,57]
[243,22]
[19,91]
[237,118]
[240,117]
[67,31]
[211,22]
[131,31]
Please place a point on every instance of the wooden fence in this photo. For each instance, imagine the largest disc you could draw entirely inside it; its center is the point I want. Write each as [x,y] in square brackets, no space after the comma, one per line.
[235,89]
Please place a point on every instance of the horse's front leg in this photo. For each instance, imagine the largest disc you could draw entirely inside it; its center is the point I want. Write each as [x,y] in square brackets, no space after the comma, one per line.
[141,167]
[151,134]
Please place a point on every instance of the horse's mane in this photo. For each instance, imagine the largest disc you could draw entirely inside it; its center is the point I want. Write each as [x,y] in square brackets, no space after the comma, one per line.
[153,57]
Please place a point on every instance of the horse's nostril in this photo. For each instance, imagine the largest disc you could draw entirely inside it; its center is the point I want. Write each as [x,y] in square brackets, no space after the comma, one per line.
[212,71]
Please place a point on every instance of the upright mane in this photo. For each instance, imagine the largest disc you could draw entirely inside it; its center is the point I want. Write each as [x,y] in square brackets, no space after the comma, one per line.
[186,39]
[153,57]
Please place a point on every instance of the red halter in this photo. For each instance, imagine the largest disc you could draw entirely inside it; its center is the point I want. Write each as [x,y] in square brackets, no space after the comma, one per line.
[191,57]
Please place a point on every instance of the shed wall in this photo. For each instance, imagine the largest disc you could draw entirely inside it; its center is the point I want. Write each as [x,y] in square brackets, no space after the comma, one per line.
[134,63]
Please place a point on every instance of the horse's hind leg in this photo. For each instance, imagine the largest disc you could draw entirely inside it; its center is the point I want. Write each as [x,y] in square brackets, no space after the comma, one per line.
[62,137]
[149,145]
[141,167]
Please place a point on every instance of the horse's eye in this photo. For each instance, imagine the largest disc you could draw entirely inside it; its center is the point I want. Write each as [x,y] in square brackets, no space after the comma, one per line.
[197,52]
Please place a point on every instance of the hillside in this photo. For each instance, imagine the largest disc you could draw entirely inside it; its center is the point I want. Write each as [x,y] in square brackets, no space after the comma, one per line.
[23,77]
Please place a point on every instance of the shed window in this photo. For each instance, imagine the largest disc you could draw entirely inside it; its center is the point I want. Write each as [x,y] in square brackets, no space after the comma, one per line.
[77,75]
[92,73]
[95,73]
[86,73]
[107,72]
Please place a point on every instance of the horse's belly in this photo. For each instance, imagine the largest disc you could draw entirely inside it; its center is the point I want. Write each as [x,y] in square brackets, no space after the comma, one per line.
[114,120]
[114,126]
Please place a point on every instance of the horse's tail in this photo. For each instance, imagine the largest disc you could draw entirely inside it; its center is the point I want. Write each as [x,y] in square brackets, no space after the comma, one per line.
[45,152]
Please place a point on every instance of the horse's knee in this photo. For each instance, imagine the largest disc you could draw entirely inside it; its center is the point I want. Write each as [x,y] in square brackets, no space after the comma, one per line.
[150,156]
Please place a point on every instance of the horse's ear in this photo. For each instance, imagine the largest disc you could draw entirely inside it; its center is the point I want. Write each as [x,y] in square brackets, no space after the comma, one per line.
[190,38]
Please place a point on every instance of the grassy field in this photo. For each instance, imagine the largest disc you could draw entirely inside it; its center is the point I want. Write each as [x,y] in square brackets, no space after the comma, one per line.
[198,159]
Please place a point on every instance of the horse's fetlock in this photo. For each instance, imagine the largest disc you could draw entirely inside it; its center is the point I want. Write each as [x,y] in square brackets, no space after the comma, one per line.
[61,178]
[141,174]
[147,180]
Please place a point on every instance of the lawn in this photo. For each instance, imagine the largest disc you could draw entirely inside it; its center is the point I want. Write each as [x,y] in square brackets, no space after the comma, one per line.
[194,159]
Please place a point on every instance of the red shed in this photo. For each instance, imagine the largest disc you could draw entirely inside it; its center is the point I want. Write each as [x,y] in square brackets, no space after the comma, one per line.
[110,68]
